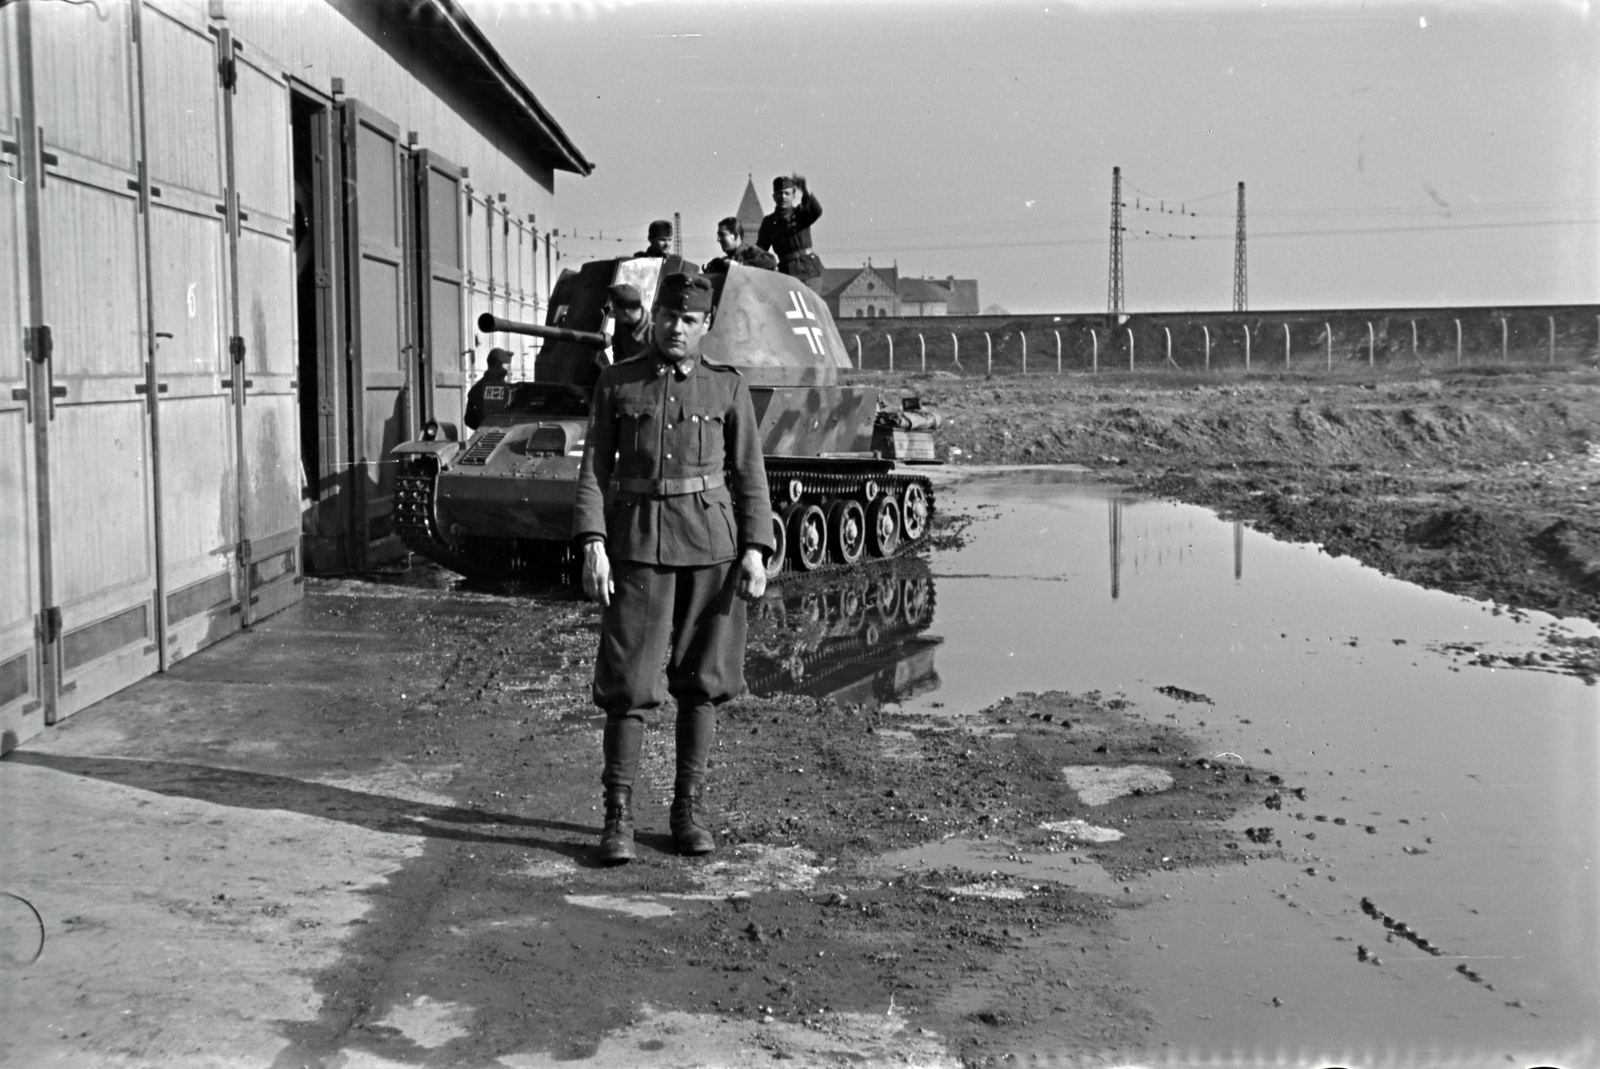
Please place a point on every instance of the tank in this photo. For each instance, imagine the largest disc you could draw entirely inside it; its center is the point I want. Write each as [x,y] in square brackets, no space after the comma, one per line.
[840,463]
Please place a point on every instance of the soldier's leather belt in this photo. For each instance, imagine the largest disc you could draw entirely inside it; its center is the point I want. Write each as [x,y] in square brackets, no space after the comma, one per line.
[670,487]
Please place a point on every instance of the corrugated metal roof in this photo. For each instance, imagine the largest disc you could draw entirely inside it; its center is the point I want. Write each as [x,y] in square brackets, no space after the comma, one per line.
[453,43]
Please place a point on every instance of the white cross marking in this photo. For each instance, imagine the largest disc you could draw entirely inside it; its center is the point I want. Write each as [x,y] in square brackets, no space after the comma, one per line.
[813,337]
[801,311]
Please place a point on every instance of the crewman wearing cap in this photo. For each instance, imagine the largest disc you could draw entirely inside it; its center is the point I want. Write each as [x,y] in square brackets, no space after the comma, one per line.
[630,331]
[730,236]
[787,231]
[496,370]
[671,544]
[660,237]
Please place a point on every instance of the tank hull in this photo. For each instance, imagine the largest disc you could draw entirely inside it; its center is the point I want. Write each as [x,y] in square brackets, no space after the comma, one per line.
[840,497]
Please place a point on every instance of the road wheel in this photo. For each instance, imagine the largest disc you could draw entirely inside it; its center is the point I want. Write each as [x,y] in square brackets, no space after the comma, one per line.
[918,605]
[779,542]
[888,597]
[883,527]
[847,531]
[914,512]
[808,538]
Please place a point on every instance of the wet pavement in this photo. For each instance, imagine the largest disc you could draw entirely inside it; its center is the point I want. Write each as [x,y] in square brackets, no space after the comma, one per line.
[1458,801]
[360,834]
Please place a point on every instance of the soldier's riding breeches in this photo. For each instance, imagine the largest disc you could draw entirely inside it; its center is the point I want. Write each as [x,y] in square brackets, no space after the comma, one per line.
[688,619]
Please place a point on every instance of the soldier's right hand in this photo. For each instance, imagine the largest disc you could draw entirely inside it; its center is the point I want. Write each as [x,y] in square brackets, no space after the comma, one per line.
[597,584]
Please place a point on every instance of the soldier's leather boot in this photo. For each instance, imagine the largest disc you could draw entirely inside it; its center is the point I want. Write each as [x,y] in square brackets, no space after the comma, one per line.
[616,840]
[688,835]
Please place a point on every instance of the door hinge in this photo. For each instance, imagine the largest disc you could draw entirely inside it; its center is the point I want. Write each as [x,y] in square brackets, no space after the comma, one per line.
[243,551]
[38,343]
[227,66]
[52,625]
[236,348]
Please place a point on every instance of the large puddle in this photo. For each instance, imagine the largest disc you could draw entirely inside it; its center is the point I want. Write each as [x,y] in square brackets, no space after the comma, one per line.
[1461,926]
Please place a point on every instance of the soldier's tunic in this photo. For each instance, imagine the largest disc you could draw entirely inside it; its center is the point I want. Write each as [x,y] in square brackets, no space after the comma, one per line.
[787,232]
[653,486]
[748,255]
[628,342]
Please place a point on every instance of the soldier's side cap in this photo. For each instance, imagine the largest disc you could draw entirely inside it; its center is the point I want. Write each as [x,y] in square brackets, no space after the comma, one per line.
[498,357]
[624,295]
[781,183]
[661,229]
[685,293]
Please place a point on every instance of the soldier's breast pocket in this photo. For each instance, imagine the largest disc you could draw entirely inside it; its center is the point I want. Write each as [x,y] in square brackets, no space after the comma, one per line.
[706,426]
[635,426]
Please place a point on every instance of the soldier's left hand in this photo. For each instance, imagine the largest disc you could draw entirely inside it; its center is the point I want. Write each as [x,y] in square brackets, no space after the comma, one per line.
[752,575]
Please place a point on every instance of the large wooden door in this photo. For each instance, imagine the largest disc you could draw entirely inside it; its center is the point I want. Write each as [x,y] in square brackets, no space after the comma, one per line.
[190,305]
[380,326]
[479,224]
[440,291]
[264,349]
[100,618]
[21,703]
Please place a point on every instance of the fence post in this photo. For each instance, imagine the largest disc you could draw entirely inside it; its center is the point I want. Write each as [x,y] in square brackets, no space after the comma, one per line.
[988,360]
[1372,345]
[1286,345]
[1130,347]
[890,339]
[1247,346]
[1415,358]
[955,345]
[922,344]
[1058,345]
[1208,345]
[1094,339]
[1024,336]
[1458,343]
[1505,341]
[1327,334]
[1552,339]
[1171,361]
[858,353]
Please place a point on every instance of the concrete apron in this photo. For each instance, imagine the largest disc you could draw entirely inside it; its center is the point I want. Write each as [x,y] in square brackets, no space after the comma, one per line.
[219,853]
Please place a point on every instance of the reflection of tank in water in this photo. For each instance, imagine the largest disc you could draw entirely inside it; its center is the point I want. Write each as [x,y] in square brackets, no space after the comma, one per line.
[836,465]
[851,636]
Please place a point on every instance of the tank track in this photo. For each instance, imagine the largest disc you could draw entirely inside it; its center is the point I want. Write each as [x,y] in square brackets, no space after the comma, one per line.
[415,523]
[823,488]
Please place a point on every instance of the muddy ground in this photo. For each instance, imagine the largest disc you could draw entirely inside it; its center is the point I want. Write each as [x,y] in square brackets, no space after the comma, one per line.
[1483,481]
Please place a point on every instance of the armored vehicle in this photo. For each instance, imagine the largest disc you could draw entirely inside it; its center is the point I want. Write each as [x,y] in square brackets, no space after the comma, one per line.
[836,465]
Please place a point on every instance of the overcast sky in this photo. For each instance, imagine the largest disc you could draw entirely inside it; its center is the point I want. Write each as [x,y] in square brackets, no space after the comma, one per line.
[1393,153]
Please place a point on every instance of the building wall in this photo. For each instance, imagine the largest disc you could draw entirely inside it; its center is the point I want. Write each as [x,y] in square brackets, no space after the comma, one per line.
[869,295]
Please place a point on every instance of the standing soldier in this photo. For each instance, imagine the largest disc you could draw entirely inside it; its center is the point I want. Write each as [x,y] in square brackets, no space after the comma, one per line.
[667,544]
[660,236]
[787,231]
[730,235]
[495,373]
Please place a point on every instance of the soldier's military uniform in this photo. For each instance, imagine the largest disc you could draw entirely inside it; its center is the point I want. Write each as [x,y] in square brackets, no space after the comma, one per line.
[748,255]
[628,341]
[787,232]
[495,373]
[660,231]
[653,487]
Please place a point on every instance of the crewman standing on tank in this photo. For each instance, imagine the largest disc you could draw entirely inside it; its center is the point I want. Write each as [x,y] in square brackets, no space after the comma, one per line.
[787,231]
[660,236]
[670,547]
[730,236]
[630,330]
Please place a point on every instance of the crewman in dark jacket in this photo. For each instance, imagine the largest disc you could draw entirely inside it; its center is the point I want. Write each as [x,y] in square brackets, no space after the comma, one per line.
[494,374]
[668,541]
[787,231]
[660,236]
[730,235]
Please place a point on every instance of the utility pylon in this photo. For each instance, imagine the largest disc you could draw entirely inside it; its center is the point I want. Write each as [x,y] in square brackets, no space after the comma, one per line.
[1114,282]
[677,234]
[1241,300]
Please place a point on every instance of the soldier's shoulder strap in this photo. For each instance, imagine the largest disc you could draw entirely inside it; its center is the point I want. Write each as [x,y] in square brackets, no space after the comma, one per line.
[714,366]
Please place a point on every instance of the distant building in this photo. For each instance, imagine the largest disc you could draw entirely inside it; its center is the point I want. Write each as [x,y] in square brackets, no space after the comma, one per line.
[750,213]
[868,293]
[963,296]
[921,297]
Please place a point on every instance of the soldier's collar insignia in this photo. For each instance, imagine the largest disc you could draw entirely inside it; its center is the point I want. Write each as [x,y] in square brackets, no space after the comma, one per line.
[680,370]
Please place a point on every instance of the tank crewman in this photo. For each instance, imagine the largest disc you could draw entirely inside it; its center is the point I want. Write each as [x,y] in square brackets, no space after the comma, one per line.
[630,331]
[668,541]
[494,374]
[730,235]
[660,236]
[787,231]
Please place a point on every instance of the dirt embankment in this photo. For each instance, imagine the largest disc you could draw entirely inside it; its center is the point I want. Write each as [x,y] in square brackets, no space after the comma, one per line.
[1480,482]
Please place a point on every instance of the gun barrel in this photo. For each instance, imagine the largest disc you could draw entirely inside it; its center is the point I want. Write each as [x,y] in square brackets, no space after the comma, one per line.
[490,324]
